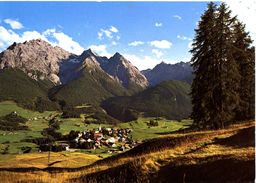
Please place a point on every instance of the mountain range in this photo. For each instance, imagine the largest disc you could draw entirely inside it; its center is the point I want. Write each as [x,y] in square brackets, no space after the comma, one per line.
[39,76]
[181,71]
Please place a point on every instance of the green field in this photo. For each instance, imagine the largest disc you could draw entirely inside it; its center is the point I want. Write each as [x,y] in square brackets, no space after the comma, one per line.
[7,107]
[36,124]
[14,141]
[76,124]
[142,131]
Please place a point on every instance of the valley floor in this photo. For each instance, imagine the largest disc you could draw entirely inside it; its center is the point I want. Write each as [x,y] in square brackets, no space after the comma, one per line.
[208,156]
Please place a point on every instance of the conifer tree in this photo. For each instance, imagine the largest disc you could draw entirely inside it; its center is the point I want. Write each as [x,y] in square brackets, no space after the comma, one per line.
[201,61]
[226,73]
[244,54]
[222,60]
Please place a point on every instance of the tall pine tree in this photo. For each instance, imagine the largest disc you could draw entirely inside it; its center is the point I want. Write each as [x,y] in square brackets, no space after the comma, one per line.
[244,54]
[225,97]
[201,61]
[216,59]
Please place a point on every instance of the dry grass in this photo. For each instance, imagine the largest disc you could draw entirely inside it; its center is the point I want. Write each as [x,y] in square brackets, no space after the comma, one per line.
[202,148]
[40,160]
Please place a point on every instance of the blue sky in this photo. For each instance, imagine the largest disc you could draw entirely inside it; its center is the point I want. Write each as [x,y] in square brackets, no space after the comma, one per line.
[144,32]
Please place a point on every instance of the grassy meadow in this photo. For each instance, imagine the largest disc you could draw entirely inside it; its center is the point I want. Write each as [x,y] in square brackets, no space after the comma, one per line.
[36,124]
[221,156]
[12,142]
[160,155]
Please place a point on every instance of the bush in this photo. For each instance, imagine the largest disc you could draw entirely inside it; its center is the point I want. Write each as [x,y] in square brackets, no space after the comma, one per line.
[72,135]
[53,148]
[71,112]
[42,105]
[26,149]
[11,122]
[54,123]
[40,141]
[152,123]
[86,145]
[51,133]
[15,118]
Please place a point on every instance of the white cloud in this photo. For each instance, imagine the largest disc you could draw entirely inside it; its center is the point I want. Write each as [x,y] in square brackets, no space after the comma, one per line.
[108,33]
[246,11]
[136,43]
[1,44]
[100,34]
[114,43]
[7,37]
[145,62]
[142,62]
[29,35]
[100,49]
[158,24]
[184,38]
[48,32]
[157,53]
[118,38]
[14,23]
[177,16]
[66,42]
[163,44]
[113,29]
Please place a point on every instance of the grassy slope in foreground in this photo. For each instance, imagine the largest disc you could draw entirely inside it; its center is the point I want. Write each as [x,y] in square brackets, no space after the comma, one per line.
[218,156]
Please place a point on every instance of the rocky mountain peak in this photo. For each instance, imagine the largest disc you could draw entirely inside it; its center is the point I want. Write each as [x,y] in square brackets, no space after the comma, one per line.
[37,58]
[161,65]
[118,56]
[87,53]
[181,71]
[121,68]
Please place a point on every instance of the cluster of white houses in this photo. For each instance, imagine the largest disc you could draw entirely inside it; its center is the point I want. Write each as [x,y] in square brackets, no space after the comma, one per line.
[109,137]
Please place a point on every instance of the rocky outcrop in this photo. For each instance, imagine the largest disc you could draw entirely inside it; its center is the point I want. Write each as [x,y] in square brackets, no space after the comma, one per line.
[37,58]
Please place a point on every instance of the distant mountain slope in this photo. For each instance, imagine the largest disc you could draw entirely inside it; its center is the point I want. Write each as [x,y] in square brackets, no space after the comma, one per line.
[27,92]
[37,58]
[169,99]
[92,84]
[122,69]
[181,71]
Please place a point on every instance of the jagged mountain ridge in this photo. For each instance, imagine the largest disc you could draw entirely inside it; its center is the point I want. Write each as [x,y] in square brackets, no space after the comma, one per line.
[91,83]
[181,71]
[37,58]
[87,78]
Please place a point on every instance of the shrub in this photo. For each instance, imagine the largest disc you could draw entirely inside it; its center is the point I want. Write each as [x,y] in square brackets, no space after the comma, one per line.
[26,149]
[11,122]
[152,123]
